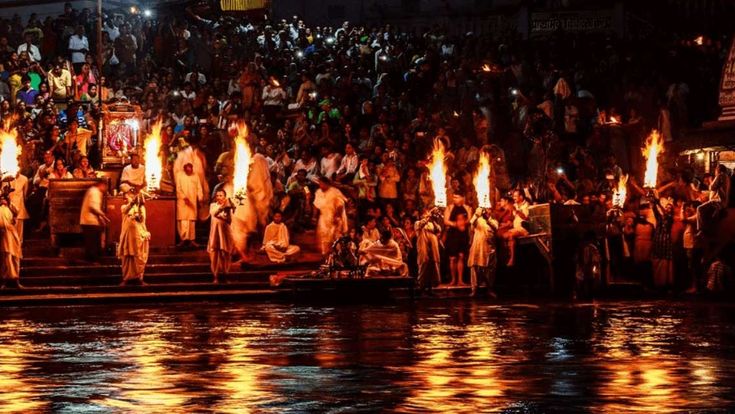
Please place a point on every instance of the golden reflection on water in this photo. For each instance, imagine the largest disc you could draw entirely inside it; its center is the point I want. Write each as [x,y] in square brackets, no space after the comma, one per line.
[18,394]
[460,358]
[150,386]
[239,382]
[457,369]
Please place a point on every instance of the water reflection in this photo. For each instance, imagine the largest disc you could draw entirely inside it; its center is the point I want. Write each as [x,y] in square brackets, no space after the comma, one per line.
[430,357]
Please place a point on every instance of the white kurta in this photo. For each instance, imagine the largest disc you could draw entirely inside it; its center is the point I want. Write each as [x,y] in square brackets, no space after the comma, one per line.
[132,175]
[483,245]
[198,161]
[10,250]
[220,245]
[383,258]
[260,191]
[134,244]
[18,200]
[189,188]
[276,243]
[332,216]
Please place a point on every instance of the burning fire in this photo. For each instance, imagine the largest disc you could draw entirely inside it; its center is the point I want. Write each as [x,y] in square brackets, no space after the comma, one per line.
[242,161]
[153,163]
[9,153]
[620,193]
[614,119]
[438,174]
[654,147]
[486,68]
[482,181]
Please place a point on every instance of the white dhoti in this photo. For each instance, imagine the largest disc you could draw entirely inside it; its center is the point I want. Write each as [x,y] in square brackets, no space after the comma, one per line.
[186,229]
[19,226]
[220,243]
[10,266]
[10,251]
[133,247]
[220,262]
[133,267]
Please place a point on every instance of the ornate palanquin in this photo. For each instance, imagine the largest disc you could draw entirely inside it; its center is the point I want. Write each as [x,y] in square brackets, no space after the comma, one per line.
[120,136]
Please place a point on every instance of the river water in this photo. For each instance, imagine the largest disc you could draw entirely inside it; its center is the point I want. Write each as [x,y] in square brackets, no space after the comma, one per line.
[441,356]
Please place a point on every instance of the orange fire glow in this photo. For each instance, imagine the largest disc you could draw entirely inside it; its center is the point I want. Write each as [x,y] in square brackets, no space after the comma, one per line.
[438,174]
[482,180]
[620,193]
[654,147]
[243,157]
[9,153]
[153,163]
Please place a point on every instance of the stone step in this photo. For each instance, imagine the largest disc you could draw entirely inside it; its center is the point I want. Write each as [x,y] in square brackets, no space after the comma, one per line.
[197,257]
[149,287]
[176,268]
[257,277]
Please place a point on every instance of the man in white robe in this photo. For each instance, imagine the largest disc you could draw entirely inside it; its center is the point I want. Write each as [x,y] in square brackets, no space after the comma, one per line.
[276,243]
[195,157]
[188,195]
[220,245]
[133,246]
[482,259]
[332,223]
[133,175]
[260,190]
[10,250]
[383,257]
[428,230]
[18,200]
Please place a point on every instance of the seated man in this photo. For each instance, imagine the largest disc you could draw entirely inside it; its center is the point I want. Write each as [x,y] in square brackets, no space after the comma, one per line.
[384,257]
[719,194]
[276,242]
[133,175]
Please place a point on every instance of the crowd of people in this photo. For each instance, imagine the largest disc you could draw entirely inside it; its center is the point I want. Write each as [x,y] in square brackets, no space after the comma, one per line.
[342,121]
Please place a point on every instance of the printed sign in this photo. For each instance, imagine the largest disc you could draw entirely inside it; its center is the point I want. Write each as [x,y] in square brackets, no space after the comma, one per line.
[587,21]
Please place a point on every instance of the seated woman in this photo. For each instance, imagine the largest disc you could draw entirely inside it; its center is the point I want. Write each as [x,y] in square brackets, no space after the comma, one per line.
[84,170]
[513,213]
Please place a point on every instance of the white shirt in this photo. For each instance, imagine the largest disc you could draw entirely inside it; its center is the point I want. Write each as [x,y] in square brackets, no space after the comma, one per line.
[200,78]
[18,197]
[91,206]
[33,52]
[133,175]
[329,164]
[273,96]
[112,31]
[78,43]
[349,164]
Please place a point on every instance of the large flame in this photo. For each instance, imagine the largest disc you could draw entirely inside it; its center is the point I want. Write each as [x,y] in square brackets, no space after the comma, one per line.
[654,147]
[243,157]
[620,192]
[9,153]
[438,174]
[482,180]
[153,163]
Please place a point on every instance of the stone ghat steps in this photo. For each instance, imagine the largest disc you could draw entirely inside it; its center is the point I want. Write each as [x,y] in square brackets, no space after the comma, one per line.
[28,297]
[257,279]
[151,269]
[150,287]
[36,261]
